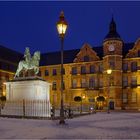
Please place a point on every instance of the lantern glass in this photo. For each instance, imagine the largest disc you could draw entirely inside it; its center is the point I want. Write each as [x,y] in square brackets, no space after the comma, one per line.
[109,71]
[61,27]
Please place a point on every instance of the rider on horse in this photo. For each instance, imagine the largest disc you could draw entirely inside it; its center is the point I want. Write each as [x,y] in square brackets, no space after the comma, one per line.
[27,56]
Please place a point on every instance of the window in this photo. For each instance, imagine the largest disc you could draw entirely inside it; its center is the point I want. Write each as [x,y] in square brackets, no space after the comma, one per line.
[101,83]
[100,68]
[54,86]
[46,72]
[54,72]
[112,64]
[125,98]
[86,58]
[96,83]
[74,83]
[74,71]
[134,66]
[125,67]
[83,83]
[92,69]
[91,83]
[125,81]
[134,81]
[134,97]
[83,70]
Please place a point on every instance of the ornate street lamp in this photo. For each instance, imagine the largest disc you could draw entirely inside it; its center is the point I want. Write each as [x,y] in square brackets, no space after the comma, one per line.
[109,71]
[62,27]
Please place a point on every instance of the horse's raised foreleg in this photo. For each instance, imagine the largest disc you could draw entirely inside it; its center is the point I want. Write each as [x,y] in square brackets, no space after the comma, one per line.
[18,70]
[36,70]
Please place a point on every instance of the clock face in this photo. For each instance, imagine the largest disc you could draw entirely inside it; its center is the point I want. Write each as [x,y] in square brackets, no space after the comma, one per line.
[111,48]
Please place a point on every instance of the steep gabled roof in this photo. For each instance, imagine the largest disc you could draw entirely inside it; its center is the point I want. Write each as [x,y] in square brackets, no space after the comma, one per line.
[112,34]
[10,55]
[53,58]
[9,59]
[127,47]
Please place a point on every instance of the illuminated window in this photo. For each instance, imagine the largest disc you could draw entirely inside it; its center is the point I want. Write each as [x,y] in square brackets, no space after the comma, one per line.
[125,98]
[125,81]
[96,83]
[83,70]
[91,83]
[83,83]
[134,97]
[74,71]
[54,86]
[134,81]
[74,83]
[101,83]
[134,66]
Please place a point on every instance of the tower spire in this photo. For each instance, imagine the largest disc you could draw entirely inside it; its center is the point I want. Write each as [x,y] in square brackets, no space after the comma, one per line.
[112,34]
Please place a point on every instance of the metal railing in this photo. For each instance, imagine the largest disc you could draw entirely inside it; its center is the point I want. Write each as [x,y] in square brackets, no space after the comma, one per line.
[27,108]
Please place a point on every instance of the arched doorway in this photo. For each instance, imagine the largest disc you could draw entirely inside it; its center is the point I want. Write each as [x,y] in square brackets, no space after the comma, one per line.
[100,102]
[111,105]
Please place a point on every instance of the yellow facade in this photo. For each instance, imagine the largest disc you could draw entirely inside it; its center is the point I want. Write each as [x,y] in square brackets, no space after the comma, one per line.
[111,87]
[4,76]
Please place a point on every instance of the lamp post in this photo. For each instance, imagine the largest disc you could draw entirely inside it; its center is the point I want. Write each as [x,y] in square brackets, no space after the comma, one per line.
[61,28]
[109,71]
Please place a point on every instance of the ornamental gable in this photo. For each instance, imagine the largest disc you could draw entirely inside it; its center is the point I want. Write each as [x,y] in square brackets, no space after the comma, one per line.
[86,54]
[135,51]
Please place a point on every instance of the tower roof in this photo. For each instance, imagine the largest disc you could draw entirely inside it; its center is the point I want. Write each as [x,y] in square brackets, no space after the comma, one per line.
[112,34]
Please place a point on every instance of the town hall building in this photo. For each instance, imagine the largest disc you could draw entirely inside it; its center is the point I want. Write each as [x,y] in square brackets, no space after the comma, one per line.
[104,76]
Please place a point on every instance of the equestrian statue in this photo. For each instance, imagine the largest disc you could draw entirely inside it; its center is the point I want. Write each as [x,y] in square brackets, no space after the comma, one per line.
[30,63]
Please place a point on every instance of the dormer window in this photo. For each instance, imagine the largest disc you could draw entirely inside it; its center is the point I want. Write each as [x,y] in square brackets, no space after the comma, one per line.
[86,58]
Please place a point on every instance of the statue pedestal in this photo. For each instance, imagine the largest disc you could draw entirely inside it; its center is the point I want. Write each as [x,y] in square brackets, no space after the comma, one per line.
[31,94]
[30,88]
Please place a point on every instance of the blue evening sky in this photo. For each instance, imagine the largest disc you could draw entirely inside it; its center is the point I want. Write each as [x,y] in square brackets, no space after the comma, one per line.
[33,23]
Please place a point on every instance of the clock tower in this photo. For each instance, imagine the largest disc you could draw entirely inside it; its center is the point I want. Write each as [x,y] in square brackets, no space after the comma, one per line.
[112,59]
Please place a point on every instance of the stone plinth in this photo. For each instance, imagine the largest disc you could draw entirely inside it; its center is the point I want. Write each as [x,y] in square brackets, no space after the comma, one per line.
[31,88]
[27,97]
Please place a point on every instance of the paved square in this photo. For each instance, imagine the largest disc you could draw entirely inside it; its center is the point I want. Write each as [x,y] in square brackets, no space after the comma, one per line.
[117,125]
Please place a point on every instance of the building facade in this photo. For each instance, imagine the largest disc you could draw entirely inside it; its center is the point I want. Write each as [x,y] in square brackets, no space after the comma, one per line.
[8,63]
[86,77]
